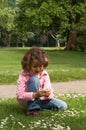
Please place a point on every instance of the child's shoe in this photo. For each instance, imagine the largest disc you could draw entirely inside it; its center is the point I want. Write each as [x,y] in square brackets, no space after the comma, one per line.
[33,112]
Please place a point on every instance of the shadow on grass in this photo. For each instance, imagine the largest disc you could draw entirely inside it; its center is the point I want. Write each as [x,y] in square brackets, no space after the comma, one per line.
[10,107]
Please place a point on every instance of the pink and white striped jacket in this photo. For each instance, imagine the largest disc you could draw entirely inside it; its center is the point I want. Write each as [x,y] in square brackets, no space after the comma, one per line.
[22,93]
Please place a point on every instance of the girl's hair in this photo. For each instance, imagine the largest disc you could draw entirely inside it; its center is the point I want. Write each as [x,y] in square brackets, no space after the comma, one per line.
[37,54]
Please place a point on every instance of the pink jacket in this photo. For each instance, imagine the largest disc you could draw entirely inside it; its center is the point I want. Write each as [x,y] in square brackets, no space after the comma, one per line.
[23,95]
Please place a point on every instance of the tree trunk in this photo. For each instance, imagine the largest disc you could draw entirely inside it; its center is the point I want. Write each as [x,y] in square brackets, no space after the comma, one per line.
[71,40]
[56,39]
[8,39]
[23,44]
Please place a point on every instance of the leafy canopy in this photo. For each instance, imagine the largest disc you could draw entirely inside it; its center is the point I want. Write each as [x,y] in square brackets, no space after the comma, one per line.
[51,14]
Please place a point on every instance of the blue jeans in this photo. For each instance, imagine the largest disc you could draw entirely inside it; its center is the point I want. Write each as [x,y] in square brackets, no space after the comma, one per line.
[38,104]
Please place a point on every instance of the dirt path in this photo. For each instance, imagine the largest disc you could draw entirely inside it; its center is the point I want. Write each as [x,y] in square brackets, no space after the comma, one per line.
[79,86]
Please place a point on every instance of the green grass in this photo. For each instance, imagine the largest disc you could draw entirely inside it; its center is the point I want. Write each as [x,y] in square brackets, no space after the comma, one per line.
[64,65]
[13,116]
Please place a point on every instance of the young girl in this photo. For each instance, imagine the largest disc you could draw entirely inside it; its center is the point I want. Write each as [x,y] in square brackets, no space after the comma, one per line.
[34,90]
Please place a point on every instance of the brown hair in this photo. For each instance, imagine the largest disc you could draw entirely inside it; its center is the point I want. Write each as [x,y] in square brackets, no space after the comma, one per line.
[35,53]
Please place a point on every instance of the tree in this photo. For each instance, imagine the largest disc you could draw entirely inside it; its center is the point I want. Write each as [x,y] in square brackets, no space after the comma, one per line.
[77,18]
[7,15]
[7,23]
[64,17]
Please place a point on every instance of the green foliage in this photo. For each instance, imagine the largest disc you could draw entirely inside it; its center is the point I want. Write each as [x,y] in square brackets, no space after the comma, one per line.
[3,3]
[40,16]
[7,15]
[57,17]
[7,18]
[6,3]
[51,14]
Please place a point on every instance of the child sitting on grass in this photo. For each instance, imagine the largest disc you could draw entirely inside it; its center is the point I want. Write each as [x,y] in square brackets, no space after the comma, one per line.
[34,90]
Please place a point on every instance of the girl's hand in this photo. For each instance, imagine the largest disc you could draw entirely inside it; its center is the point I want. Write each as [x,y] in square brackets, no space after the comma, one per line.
[45,93]
[41,93]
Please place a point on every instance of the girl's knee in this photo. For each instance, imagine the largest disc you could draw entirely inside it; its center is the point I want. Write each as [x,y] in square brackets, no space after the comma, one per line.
[33,79]
[33,84]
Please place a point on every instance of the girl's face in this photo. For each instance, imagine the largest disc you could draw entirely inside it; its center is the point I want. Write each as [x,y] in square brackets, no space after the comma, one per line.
[35,68]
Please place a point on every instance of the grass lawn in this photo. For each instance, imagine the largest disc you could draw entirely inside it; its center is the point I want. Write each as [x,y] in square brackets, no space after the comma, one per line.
[13,116]
[64,65]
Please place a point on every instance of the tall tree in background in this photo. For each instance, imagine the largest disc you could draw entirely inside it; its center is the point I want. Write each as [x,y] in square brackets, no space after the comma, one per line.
[76,20]
[7,23]
[62,16]
[7,14]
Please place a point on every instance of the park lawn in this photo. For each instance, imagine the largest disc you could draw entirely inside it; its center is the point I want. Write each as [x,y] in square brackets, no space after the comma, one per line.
[63,65]
[13,116]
